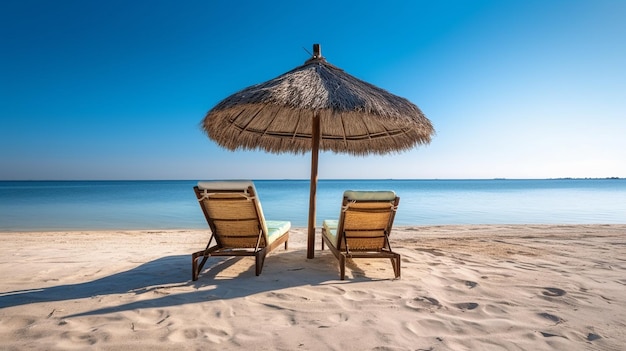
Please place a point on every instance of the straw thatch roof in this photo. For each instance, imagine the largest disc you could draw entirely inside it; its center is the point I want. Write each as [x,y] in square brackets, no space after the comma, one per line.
[355,117]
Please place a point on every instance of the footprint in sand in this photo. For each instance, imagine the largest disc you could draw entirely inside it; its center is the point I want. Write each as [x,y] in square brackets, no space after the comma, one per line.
[551,317]
[470,284]
[553,292]
[592,337]
[467,305]
[548,335]
[432,300]
[426,301]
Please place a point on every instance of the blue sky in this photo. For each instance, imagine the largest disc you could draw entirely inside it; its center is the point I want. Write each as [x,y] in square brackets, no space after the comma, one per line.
[116,89]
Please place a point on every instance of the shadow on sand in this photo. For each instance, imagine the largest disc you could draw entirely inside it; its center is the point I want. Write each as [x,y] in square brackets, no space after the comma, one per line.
[166,282]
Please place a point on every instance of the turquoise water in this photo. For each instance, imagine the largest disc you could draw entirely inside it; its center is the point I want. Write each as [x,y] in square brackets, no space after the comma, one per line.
[78,205]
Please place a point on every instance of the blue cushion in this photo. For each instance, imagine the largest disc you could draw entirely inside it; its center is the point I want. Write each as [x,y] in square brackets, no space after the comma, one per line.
[276,228]
[330,228]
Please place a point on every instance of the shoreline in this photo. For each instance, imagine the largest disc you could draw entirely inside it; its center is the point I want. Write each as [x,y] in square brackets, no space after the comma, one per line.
[490,287]
[427,229]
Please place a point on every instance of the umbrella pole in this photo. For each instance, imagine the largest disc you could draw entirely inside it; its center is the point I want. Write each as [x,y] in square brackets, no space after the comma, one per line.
[315,141]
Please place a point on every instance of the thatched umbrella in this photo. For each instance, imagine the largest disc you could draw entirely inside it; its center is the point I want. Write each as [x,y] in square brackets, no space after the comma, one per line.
[317,106]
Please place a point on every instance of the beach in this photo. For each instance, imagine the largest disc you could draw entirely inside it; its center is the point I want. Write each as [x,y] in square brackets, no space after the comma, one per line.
[463,287]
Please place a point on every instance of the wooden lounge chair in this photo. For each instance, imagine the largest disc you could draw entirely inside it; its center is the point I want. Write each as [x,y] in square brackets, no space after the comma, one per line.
[233,212]
[363,228]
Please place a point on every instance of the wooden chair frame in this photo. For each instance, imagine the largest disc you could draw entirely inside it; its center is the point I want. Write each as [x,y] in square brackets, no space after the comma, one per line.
[250,245]
[345,251]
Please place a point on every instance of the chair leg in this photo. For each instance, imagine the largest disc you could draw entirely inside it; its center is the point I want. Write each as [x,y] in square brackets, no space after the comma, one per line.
[395,262]
[342,267]
[195,267]
[259,259]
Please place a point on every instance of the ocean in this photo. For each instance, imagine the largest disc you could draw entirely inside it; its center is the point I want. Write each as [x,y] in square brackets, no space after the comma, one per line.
[95,205]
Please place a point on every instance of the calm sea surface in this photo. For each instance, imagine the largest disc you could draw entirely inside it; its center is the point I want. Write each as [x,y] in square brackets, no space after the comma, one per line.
[78,205]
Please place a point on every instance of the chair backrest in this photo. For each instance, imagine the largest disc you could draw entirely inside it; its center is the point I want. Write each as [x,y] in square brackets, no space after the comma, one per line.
[366,219]
[233,212]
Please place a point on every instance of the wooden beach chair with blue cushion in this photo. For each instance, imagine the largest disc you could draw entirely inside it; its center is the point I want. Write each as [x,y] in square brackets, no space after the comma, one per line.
[235,217]
[363,228]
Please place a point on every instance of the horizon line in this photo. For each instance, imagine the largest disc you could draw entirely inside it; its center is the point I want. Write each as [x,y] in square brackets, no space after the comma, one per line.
[300,179]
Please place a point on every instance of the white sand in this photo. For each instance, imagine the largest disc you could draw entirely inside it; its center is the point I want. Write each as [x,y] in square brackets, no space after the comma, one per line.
[462,288]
